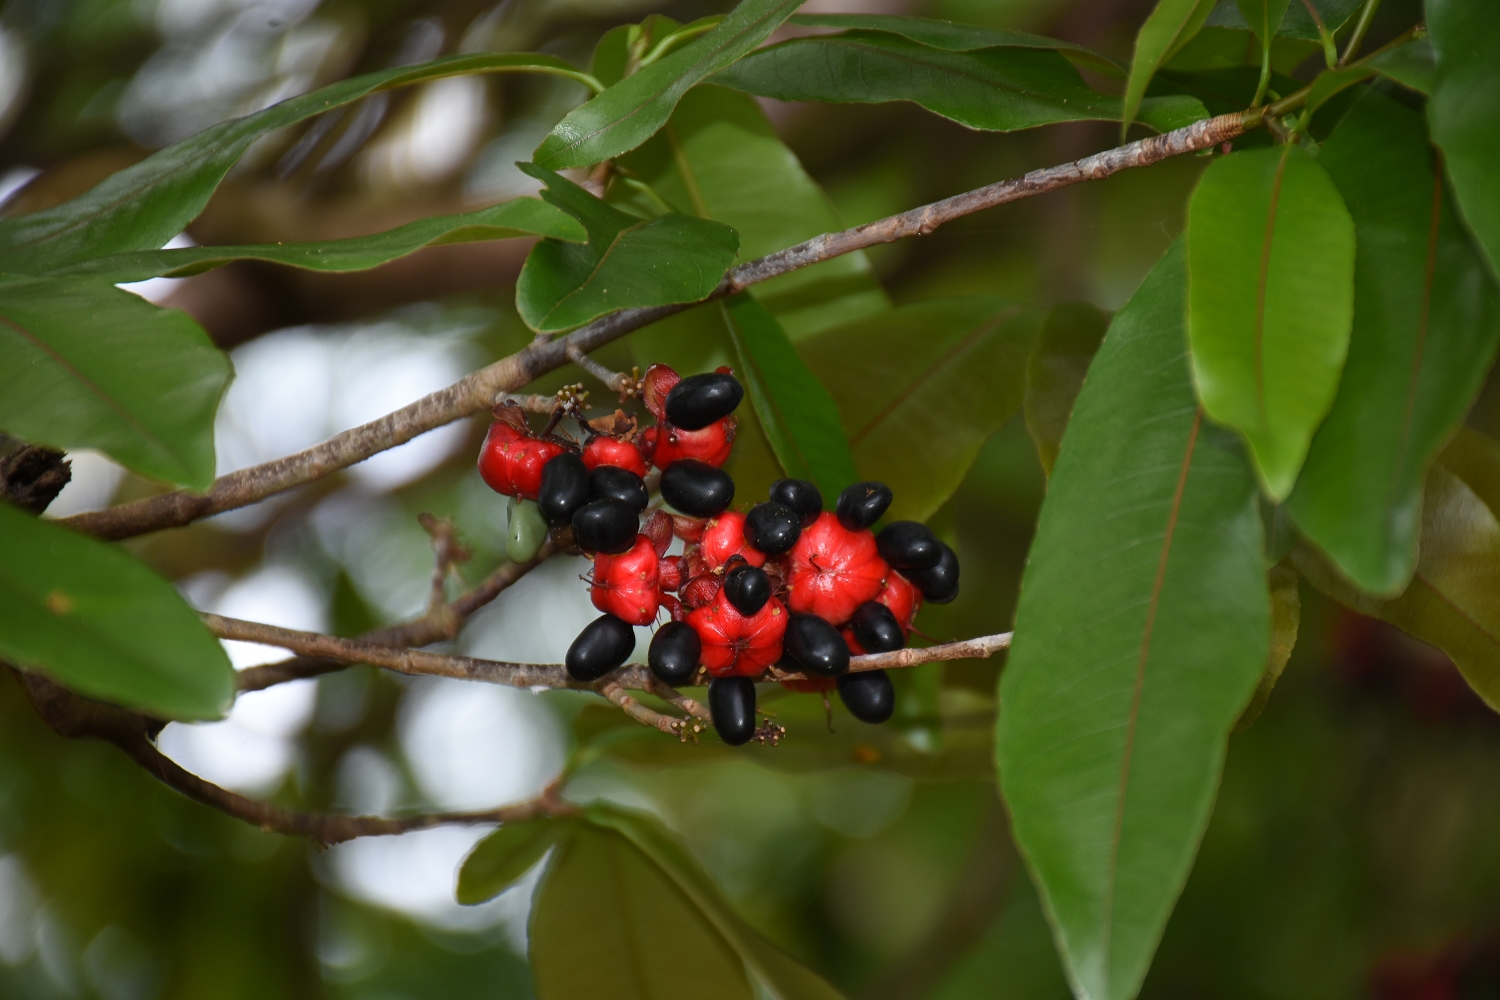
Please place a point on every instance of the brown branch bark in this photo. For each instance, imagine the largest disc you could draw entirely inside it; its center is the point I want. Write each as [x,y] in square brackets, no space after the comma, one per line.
[422,631]
[75,717]
[482,389]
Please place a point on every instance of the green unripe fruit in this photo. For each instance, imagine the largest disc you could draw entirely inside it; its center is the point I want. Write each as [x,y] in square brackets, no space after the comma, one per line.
[526,531]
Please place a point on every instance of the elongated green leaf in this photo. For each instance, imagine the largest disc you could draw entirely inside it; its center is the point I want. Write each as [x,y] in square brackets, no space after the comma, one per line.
[777,974]
[921,389]
[607,922]
[1297,23]
[1270,301]
[1263,16]
[505,855]
[521,217]
[631,111]
[85,365]
[1286,616]
[799,417]
[1120,692]
[1413,65]
[145,205]
[1054,374]
[1465,105]
[1332,82]
[956,37]
[1426,327]
[1453,600]
[994,89]
[1171,25]
[719,158]
[627,261]
[93,618]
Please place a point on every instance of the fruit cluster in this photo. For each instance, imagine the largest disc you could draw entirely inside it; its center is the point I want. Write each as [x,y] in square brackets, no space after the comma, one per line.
[784,583]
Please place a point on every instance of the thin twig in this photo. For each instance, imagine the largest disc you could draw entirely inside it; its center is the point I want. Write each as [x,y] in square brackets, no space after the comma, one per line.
[622,700]
[418,632]
[614,381]
[482,389]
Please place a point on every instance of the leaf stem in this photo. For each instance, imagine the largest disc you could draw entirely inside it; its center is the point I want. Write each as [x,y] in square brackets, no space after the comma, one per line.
[685,34]
[1361,28]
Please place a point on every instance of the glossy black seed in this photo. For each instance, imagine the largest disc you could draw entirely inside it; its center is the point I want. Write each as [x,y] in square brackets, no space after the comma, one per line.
[772,528]
[940,583]
[696,488]
[876,628]
[608,526]
[699,400]
[603,645]
[674,653]
[747,588]
[815,646]
[862,504]
[909,545]
[610,483]
[731,704]
[868,695]
[565,487]
[799,495]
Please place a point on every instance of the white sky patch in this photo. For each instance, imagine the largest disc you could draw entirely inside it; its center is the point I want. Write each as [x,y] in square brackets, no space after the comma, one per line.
[95,479]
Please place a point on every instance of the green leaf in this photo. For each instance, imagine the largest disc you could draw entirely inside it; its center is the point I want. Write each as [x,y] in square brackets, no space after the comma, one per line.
[521,217]
[1263,17]
[1171,25]
[993,89]
[608,922]
[1069,338]
[1298,23]
[1465,105]
[1332,82]
[1413,65]
[1286,616]
[96,620]
[85,365]
[627,262]
[505,855]
[631,111]
[1426,327]
[796,412]
[1453,600]
[922,387]
[1270,250]
[1141,632]
[719,158]
[778,975]
[145,205]
[956,37]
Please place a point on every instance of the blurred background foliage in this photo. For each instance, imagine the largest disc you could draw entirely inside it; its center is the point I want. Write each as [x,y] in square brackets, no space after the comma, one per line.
[1352,850]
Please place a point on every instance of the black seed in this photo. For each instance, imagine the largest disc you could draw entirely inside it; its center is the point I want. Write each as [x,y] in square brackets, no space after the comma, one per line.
[731,704]
[815,646]
[674,653]
[876,628]
[696,488]
[565,487]
[608,526]
[868,695]
[940,583]
[799,495]
[610,483]
[747,588]
[773,528]
[909,545]
[699,400]
[603,645]
[862,504]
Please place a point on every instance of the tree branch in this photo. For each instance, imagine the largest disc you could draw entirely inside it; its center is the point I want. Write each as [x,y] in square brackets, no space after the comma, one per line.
[482,389]
[75,717]
[422,631]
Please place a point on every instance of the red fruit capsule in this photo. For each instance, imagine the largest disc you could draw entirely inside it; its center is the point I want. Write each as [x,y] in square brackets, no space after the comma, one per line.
[724,537]
[612,451]
[670,574]
[511,460]
[626,585]
[712,444]
[734,645]
[902,597]
[658,382]
[700,591]
[834,570]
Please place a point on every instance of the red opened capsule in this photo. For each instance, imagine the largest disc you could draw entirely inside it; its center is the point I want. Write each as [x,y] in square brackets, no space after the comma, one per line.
[834,570]
[626,585]
[734,644]
[511,460]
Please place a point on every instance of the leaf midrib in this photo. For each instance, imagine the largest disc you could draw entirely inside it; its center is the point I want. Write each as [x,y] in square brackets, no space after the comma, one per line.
[1260,289]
